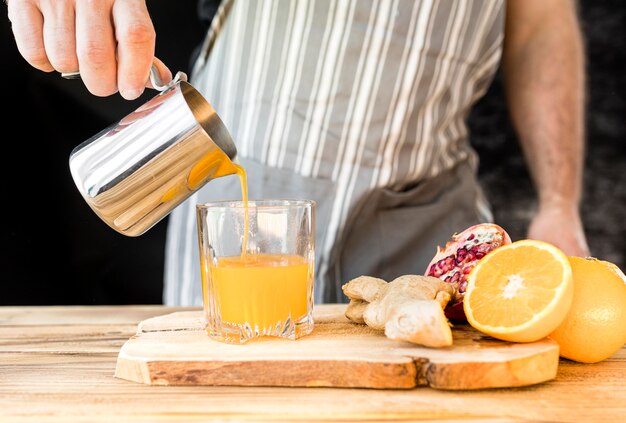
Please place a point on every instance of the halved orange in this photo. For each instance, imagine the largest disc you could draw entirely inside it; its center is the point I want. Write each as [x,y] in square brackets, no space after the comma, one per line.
[519,292]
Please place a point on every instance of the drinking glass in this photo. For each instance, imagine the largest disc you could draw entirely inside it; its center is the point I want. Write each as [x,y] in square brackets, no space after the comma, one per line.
[257,262]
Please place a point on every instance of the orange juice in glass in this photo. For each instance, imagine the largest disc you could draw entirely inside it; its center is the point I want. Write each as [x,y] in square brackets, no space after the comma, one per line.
[257,262]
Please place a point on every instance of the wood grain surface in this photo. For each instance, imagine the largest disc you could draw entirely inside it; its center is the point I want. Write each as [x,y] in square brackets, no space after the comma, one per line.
[57,364]
[175,349]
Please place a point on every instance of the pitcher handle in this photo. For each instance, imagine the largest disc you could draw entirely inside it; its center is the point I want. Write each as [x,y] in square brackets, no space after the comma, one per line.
[155,79]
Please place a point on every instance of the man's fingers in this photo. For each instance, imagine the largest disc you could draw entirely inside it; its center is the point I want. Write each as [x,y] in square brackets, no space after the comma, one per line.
[27,23]
[95,46]
[111,42]
[135,46]
[59,35]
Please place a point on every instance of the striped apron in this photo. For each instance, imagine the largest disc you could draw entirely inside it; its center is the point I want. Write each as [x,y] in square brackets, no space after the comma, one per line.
[358,105]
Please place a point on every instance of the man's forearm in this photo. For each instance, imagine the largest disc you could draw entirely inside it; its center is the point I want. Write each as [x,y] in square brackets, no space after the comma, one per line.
[544,81]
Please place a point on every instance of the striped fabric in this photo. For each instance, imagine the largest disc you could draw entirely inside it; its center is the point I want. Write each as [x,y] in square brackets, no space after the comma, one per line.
[354,96]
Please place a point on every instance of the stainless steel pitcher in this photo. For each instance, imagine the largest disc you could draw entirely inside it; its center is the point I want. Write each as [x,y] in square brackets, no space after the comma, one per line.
[135,172]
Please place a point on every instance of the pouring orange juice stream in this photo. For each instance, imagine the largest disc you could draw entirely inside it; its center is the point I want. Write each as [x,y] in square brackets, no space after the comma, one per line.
[258,289]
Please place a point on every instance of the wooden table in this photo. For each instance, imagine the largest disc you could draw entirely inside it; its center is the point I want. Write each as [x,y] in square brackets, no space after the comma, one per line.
[57,364]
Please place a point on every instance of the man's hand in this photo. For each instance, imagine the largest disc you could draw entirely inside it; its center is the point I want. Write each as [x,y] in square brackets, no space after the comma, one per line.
[561,228]
[111,42]
[544,73]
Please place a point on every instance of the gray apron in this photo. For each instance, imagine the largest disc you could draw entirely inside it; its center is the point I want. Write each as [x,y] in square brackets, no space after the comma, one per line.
[359,106]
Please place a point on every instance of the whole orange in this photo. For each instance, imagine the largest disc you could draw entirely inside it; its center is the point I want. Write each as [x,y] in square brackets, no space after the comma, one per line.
[595,326]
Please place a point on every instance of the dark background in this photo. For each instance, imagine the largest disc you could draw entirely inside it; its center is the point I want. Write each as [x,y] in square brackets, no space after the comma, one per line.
[55,250]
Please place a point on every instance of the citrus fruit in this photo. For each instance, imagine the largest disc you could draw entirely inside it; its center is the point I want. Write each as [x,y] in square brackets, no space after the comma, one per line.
[519,292]
[595,326]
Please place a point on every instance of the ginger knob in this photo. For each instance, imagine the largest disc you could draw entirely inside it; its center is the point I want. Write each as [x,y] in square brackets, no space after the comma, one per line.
[409,308]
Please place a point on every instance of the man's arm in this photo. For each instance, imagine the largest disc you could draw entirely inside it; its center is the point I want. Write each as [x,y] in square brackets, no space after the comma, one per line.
[544,75]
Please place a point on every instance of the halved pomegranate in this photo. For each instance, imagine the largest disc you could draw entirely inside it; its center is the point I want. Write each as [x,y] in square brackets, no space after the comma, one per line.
[459,256]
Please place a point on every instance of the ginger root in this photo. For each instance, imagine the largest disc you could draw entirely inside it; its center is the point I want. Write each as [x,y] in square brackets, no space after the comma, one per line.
[409,308]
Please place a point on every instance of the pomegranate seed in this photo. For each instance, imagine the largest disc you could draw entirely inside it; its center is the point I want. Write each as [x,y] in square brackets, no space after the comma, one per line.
[444,265]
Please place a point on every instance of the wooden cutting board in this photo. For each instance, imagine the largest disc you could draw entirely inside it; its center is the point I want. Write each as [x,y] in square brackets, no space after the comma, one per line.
[174,349]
